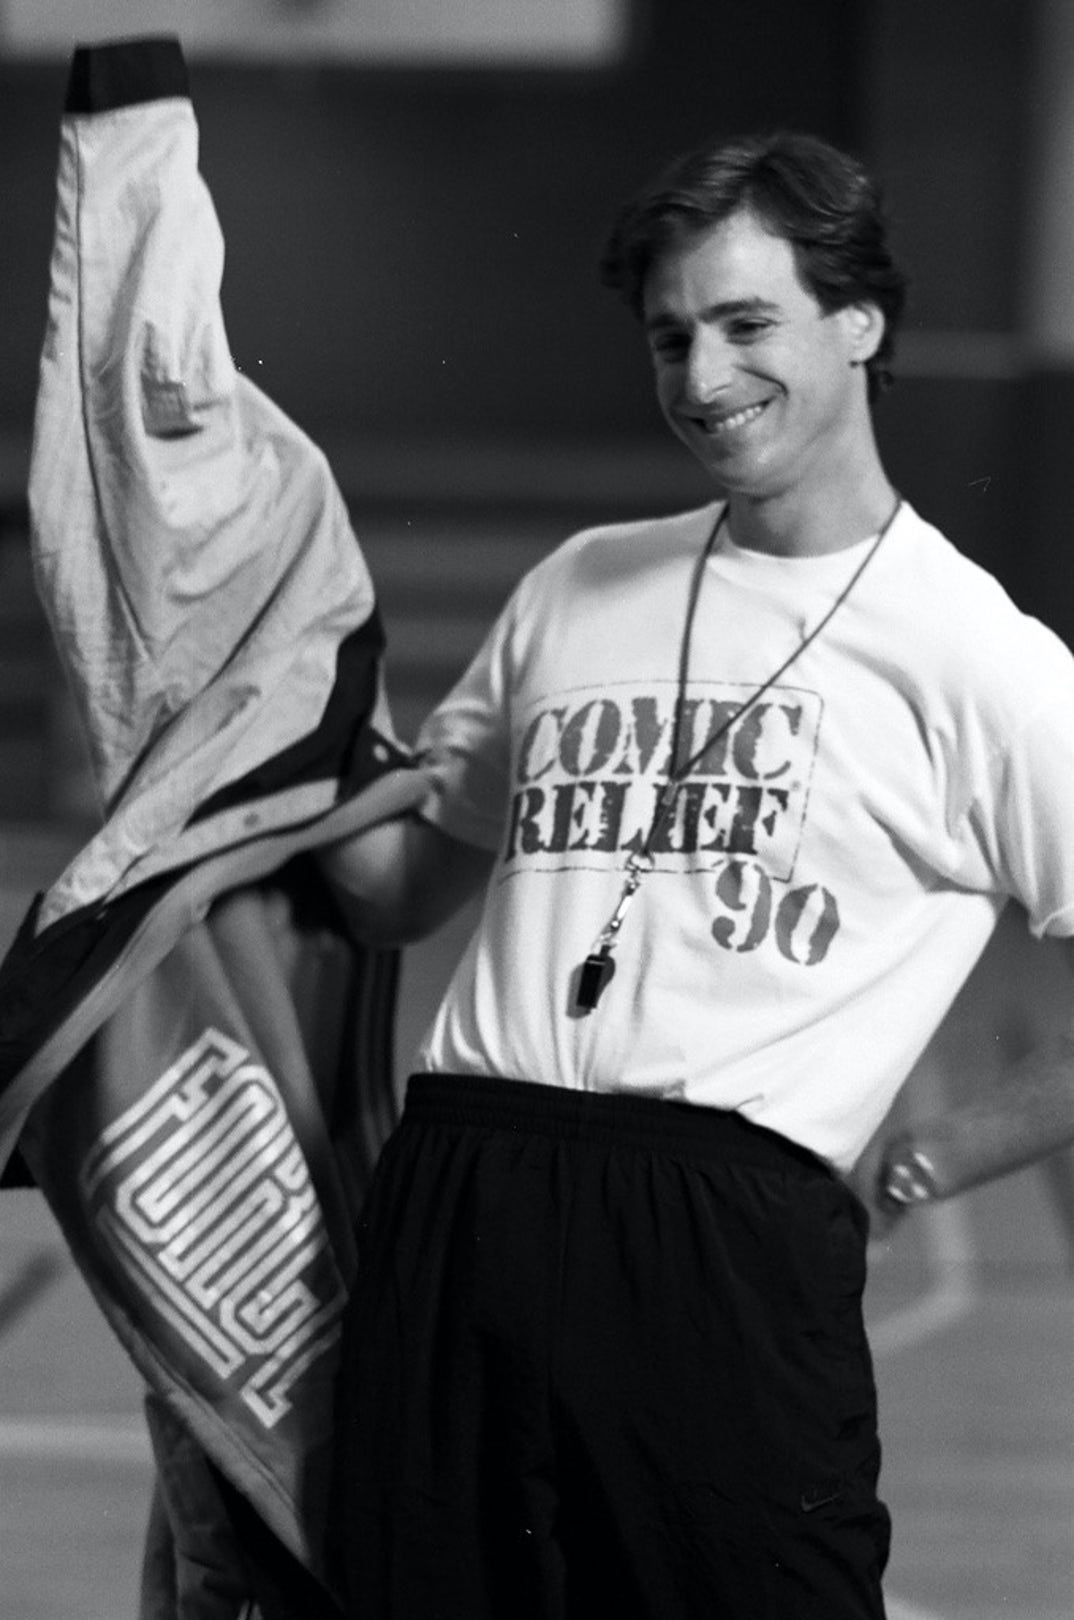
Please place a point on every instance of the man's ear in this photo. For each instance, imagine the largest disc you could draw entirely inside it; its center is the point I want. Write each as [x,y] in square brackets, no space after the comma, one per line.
[865,330]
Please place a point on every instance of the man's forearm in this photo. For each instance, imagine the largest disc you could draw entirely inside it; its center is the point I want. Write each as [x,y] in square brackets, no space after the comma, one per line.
[401,879]
[1025,1116]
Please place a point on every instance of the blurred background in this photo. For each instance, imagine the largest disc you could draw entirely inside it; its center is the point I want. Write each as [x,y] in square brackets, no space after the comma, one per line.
[414,195]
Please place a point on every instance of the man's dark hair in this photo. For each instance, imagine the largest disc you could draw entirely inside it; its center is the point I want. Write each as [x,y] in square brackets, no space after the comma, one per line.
[819,199]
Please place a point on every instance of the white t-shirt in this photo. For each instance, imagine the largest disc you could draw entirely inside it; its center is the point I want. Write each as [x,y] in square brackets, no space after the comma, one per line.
[836,862]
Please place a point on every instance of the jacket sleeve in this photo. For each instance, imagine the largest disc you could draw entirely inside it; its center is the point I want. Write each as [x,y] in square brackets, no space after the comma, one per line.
[192,550]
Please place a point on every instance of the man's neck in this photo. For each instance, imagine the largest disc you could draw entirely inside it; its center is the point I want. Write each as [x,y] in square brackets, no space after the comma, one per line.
[800,522]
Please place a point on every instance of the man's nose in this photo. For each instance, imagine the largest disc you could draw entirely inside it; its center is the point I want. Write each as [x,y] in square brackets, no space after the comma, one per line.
[709,367]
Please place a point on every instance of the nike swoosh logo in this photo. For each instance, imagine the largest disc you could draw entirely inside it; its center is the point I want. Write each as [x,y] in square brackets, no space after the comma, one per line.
[810,1503]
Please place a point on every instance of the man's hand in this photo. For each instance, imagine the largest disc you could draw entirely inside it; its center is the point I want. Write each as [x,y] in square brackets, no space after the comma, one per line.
[868,1180]
[1028,1115]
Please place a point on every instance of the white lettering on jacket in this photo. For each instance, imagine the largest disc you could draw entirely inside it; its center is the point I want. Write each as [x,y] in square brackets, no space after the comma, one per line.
[203,1194]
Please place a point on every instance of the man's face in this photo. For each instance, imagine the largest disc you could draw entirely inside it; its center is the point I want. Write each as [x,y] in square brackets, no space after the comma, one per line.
[766,389]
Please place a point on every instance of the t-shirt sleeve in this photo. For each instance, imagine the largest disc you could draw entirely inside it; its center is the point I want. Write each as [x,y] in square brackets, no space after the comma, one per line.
[465,745]
[1035,799]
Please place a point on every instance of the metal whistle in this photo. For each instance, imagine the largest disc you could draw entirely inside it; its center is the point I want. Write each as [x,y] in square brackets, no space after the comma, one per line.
[598,967]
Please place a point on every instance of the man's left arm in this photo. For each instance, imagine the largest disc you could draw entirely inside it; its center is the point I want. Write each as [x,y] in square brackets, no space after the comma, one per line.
[1027,1114]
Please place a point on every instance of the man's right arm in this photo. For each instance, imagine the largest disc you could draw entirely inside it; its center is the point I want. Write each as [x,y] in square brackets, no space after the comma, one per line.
[399,880]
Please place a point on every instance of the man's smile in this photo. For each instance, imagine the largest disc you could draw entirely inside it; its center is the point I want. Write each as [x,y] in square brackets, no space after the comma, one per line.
[716,426]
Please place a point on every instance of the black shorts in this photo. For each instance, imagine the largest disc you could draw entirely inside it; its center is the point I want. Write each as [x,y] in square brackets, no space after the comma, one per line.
[606,1357]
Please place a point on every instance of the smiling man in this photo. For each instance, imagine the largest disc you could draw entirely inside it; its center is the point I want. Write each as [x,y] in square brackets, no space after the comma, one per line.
[746,789]
[764,337]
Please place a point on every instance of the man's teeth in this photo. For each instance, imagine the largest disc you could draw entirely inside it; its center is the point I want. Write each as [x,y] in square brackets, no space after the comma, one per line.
[727,424]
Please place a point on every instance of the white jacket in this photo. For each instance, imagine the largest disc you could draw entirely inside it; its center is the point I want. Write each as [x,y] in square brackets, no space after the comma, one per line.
[193,553]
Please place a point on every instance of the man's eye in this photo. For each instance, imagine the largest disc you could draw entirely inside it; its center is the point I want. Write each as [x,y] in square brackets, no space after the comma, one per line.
[747,330]
[669,347]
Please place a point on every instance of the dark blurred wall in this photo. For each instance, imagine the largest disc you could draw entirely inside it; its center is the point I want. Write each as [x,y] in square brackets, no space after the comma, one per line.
[969,108]
[945,90]
[414,253]
[411,255]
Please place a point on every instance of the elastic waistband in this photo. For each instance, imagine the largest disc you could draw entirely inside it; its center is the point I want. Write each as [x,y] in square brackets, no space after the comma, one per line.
[490,1103]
